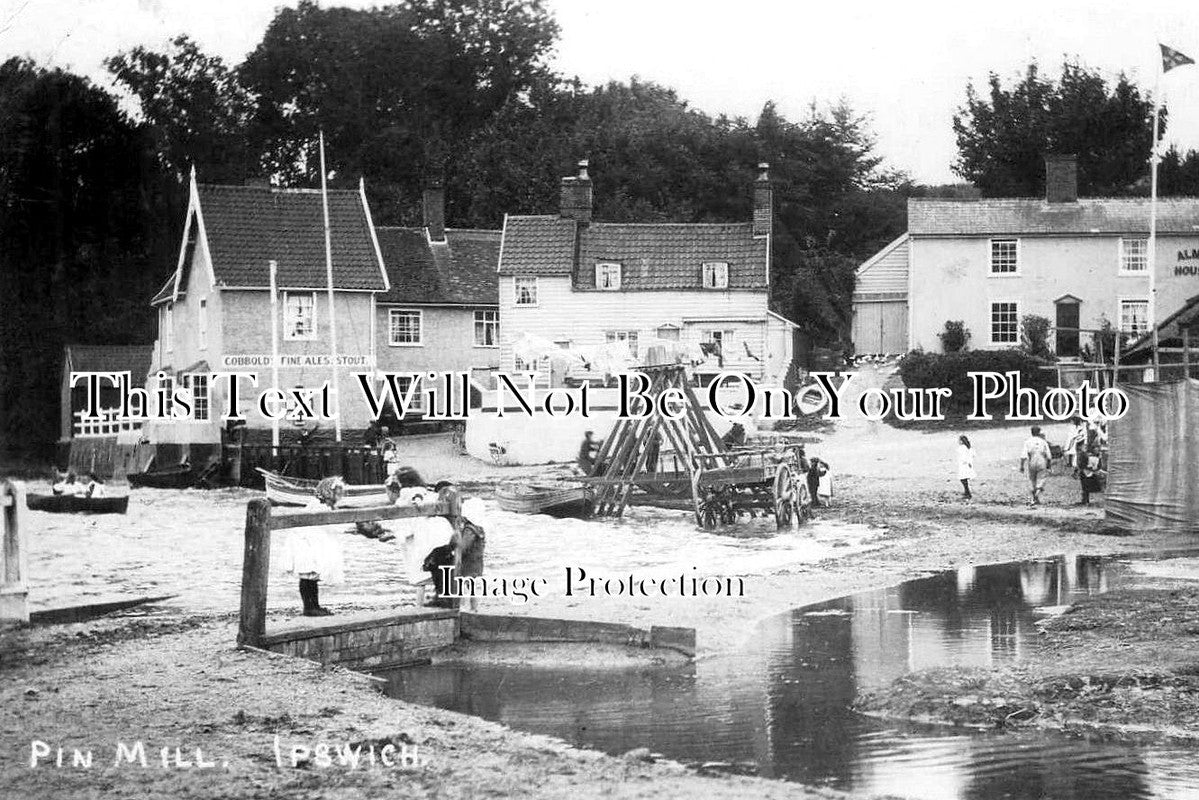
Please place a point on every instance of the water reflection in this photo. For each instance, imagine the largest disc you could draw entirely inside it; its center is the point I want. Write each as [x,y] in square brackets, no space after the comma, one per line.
[782,706]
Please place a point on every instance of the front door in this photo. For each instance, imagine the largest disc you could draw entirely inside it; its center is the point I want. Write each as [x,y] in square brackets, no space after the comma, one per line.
[1067,328]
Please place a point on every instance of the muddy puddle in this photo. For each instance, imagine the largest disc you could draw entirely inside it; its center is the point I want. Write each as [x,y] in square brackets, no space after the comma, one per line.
[779,708]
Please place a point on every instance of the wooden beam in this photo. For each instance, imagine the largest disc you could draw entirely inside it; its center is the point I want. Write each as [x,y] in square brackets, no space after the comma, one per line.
[349,516]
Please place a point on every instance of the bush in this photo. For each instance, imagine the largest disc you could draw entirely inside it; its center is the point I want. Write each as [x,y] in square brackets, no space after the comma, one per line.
[955,337]
[921,370]
[1034,336]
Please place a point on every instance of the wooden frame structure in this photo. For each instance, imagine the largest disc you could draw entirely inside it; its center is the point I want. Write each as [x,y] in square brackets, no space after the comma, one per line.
[260,522]
[14,556]
[624,459]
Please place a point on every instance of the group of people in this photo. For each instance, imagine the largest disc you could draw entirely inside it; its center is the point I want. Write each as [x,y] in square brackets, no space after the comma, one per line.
[80,486]
[1083,452]
[314,554]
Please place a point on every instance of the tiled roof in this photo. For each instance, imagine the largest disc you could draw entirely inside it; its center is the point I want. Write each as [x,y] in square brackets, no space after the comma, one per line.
[652,256]
[671,256]
[543,245]
[459,272]
[1031,216]
[133,358]
[247,226]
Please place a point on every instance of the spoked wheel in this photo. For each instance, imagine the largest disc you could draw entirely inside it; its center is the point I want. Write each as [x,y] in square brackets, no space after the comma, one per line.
[709,516]
[803,502]
[784,497]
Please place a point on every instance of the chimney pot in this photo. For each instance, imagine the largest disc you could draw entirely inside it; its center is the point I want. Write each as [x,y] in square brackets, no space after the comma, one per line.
[576,198]
[1061,178]
[433,208]
[763,202]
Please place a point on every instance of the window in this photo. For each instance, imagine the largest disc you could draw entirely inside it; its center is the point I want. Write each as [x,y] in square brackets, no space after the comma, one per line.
[716,275]
[299,315]
[202,320]
[487,329]
[607,276]
[198,384]
[526,291]
[629,337]
[1005,256]
[168,328]
[166,385]
[1134,255]
[669,332]
[418,397]
[541,365]
[1005,323]
[403,328]
[1134,316]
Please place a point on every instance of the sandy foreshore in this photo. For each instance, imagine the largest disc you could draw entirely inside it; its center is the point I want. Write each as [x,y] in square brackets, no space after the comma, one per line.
[175,679]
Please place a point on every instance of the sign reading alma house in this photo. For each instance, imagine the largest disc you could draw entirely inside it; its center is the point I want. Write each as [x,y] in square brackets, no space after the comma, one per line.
[1187,262]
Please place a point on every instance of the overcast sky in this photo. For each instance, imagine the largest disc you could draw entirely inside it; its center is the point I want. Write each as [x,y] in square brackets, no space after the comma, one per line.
[905,64]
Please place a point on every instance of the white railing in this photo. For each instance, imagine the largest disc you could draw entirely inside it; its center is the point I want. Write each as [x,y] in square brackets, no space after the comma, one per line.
[108,423]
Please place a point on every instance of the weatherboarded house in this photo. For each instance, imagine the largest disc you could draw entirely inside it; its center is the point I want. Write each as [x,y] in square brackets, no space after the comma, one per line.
[568,279]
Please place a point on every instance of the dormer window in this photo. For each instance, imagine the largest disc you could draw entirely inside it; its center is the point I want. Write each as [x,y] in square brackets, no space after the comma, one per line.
[607,276]
[716,275]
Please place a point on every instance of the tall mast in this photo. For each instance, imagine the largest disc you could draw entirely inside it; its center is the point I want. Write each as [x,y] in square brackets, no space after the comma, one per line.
[332,312]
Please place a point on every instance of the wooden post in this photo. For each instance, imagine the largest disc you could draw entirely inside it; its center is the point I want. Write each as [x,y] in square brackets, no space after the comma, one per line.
[14,556]
[256,566]
[1116,365]
[1186,350]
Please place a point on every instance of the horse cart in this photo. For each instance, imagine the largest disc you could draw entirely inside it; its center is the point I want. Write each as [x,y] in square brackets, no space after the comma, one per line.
[753,481]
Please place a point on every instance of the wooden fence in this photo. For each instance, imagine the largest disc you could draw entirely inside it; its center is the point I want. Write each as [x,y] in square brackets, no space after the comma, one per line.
[358,465]
[260,522]
[14,557]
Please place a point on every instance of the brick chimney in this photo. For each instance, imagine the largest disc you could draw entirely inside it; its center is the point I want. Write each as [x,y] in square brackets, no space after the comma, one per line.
[576,196]
[433,206]
[1061,178]
[763,202]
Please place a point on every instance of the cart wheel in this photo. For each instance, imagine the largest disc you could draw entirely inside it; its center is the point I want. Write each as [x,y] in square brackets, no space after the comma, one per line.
[784,494]
[709,519]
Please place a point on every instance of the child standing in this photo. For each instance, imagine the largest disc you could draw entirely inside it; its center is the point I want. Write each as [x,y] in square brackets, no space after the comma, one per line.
[965,465]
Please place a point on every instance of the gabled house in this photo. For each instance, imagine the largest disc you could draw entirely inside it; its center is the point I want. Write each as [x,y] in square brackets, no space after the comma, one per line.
[441,313]
[132,360]
[579,283]
[215,311]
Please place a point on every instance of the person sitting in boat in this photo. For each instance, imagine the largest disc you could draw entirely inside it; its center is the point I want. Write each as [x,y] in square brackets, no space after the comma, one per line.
[68,485]
[93,486]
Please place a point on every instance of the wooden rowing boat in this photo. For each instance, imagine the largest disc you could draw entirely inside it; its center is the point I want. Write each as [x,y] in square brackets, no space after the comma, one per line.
[76,504]
[285,491]
[179,477]
[556,500]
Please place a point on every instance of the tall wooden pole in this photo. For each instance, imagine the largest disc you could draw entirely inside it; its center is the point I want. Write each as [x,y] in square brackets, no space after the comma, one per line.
[1154,158]
[332,312]
[274,265]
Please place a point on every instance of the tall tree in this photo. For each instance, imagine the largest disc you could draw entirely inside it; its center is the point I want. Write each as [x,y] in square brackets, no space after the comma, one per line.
[196,108]
[83,237]
[1002,137]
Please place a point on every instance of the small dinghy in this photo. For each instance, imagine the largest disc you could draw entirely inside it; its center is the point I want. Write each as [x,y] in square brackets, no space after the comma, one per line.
[76,504]
[284,491]
[554,499]
[179,477]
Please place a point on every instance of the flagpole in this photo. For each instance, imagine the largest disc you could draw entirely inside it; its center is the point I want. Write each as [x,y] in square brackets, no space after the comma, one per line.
[274,268]
[336,411]
[1154,158]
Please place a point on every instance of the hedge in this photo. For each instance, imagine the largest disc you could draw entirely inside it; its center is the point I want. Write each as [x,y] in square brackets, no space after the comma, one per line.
[921,370]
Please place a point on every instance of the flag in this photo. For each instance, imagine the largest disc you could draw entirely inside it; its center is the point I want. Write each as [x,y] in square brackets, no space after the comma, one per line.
[1171,58]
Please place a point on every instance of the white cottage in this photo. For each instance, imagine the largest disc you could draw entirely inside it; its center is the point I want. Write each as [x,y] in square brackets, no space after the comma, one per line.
[579,283]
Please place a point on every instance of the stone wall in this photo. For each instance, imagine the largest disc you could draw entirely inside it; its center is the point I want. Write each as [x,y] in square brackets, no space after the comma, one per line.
[368,641]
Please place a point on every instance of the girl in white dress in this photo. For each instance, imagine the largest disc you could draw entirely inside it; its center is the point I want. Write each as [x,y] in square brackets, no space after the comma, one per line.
[965,465]
[313,554]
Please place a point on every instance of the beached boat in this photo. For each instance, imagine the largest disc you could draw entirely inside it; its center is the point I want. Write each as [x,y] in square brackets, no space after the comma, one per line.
[179,477]
[76,504]
[284,491]
[554,499]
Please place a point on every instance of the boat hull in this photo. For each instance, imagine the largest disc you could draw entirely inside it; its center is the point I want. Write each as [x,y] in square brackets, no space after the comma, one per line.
[74,504]
[284,491]
[554,501]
